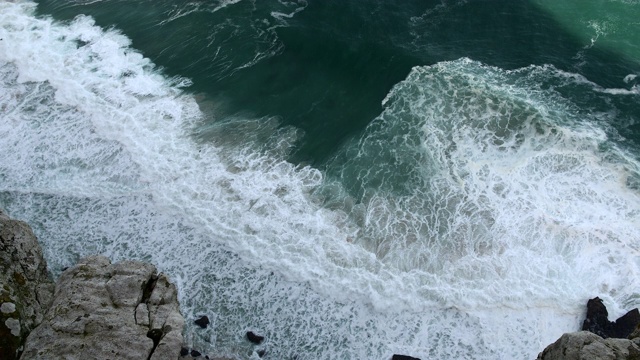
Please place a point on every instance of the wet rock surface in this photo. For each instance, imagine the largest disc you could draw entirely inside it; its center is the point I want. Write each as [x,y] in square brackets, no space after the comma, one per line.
[597,321]
[26,288]
[202,321]
[403,357]
[254,338]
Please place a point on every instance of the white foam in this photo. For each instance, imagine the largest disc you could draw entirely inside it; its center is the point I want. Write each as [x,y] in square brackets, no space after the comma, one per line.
[509,193]
[502,172]
[102,161]
[125,104]
[573,78]
[299,6]
[183,10]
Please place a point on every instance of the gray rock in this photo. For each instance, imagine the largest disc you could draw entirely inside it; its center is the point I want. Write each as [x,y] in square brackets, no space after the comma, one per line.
[109,311]
[164,314]
[26,288]
[585,345]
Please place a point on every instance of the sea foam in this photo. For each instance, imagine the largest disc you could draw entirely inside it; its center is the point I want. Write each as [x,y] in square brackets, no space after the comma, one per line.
[477,201]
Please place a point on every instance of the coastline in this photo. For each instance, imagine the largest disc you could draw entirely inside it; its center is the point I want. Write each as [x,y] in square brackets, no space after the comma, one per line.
[130,311]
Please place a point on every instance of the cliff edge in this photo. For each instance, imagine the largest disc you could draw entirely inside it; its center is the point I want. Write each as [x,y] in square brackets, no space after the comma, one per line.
[98,310]
[26,289]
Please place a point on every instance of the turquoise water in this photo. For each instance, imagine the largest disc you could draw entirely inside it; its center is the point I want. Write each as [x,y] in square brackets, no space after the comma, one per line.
[445,179]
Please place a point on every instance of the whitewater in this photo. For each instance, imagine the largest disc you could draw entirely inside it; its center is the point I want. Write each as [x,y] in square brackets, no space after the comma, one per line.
[472,219]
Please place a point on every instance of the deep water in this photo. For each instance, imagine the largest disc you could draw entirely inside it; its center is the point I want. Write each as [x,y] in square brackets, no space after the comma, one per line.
[445,179]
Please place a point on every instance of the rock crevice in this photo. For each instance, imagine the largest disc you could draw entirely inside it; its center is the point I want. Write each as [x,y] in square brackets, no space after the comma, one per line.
[102,302]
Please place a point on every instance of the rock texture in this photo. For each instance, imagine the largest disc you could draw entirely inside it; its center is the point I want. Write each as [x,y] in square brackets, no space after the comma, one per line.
[601,340]
[26,288]
[585,345]
[597,321]
[109,311]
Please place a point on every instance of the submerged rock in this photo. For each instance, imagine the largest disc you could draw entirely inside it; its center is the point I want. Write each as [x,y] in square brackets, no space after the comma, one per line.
[202,321]
[110,311]
[403,357]
[26,288]
[254,338]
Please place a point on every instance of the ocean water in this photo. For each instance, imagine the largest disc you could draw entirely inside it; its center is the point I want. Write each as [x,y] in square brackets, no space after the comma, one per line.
[352,179]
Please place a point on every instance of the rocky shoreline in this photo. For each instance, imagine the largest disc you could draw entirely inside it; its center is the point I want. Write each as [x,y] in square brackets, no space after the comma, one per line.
[97,310]
[600,339]
[127,310]
[27,290]
[120,311]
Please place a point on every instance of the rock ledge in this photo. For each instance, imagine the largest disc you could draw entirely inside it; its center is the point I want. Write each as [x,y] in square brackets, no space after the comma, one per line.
[110,311]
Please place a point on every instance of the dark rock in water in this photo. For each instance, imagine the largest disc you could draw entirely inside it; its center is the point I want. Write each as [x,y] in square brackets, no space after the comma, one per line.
[626,324]
[195,353]
[203,321]
[184,351]
[635,334]
[262,352]
[597,321]
[256,339]
[403,357]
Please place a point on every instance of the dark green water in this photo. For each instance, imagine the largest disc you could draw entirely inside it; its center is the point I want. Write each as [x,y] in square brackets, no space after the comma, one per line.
[326,69]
